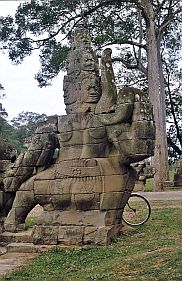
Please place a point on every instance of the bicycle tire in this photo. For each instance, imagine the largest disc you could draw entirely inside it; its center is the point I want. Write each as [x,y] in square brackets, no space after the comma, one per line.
[137,210]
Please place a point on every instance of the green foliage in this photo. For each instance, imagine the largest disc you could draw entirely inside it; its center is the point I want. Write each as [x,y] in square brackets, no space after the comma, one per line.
[21,128]
[30,222]
[25,124]
[152,252]
[10,134]
[28,120]
[148,185]
[53,56]
[44,24]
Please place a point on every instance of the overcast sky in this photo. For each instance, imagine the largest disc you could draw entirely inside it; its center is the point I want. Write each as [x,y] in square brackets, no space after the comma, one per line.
[21,89]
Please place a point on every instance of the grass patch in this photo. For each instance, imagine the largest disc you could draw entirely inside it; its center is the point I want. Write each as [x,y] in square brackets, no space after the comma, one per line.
[30,222]
[148,185]
[151,252]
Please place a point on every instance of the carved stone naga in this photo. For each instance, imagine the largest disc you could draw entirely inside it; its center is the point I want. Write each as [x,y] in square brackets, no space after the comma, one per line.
[84,190]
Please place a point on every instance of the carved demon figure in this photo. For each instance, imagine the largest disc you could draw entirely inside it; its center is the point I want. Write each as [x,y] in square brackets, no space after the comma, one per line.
[78,165]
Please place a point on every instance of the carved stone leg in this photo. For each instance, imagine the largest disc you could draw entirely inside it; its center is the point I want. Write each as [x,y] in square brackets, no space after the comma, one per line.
[24,202]
[6,203]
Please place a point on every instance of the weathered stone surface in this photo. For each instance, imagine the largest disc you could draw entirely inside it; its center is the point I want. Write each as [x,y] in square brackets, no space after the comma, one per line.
[90,234]
[24,237]
[24,199]
[72,217]
[113,217]
[111,200]
[82,77]
[72,152]
[13,183]
[78,166]
[49,174]
[46,218]
[71,235]
[24,171]
[143,130]
[114,183]
[87,201]
[109,92]
[101,235]
[21,247]
[47,235]
[77,172]
[4,165]
[44,186]
[27,185]
[89,184]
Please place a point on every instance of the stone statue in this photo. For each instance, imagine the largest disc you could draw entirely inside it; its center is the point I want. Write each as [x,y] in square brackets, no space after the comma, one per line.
[144,171]
[83,188]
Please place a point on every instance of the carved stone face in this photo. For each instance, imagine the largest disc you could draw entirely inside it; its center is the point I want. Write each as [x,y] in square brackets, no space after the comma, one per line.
[90,90]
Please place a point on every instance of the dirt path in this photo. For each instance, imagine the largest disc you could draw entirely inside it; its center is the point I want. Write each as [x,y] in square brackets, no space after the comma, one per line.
[163,196]
[13,261]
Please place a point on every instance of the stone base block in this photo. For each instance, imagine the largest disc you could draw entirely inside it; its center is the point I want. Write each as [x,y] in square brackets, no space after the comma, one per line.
[102,235]
[75,235]
[9,237]
[72,218]
[14,227]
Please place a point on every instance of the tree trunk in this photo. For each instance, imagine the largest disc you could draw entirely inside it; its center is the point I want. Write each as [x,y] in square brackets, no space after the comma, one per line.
[164,148]
[160,158]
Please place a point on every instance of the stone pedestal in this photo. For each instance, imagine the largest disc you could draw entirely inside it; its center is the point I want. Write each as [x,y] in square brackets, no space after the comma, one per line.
[75,235]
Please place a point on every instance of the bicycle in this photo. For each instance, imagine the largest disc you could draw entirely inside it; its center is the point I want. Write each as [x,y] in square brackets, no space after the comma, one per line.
[137,210]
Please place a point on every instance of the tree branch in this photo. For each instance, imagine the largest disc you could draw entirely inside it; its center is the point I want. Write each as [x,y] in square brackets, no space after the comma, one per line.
[172,107]
[81,16]
[129,66]
[170,16]
[125,41]
[173,145]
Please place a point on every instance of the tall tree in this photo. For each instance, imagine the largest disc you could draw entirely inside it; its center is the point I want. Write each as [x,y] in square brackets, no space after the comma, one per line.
[141,24]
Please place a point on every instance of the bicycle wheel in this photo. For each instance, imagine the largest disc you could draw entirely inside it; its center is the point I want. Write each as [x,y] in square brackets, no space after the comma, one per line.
[137,210]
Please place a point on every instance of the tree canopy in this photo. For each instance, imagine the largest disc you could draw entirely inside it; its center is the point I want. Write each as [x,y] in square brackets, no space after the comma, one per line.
[145,34]
[45,24]
[19,131]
